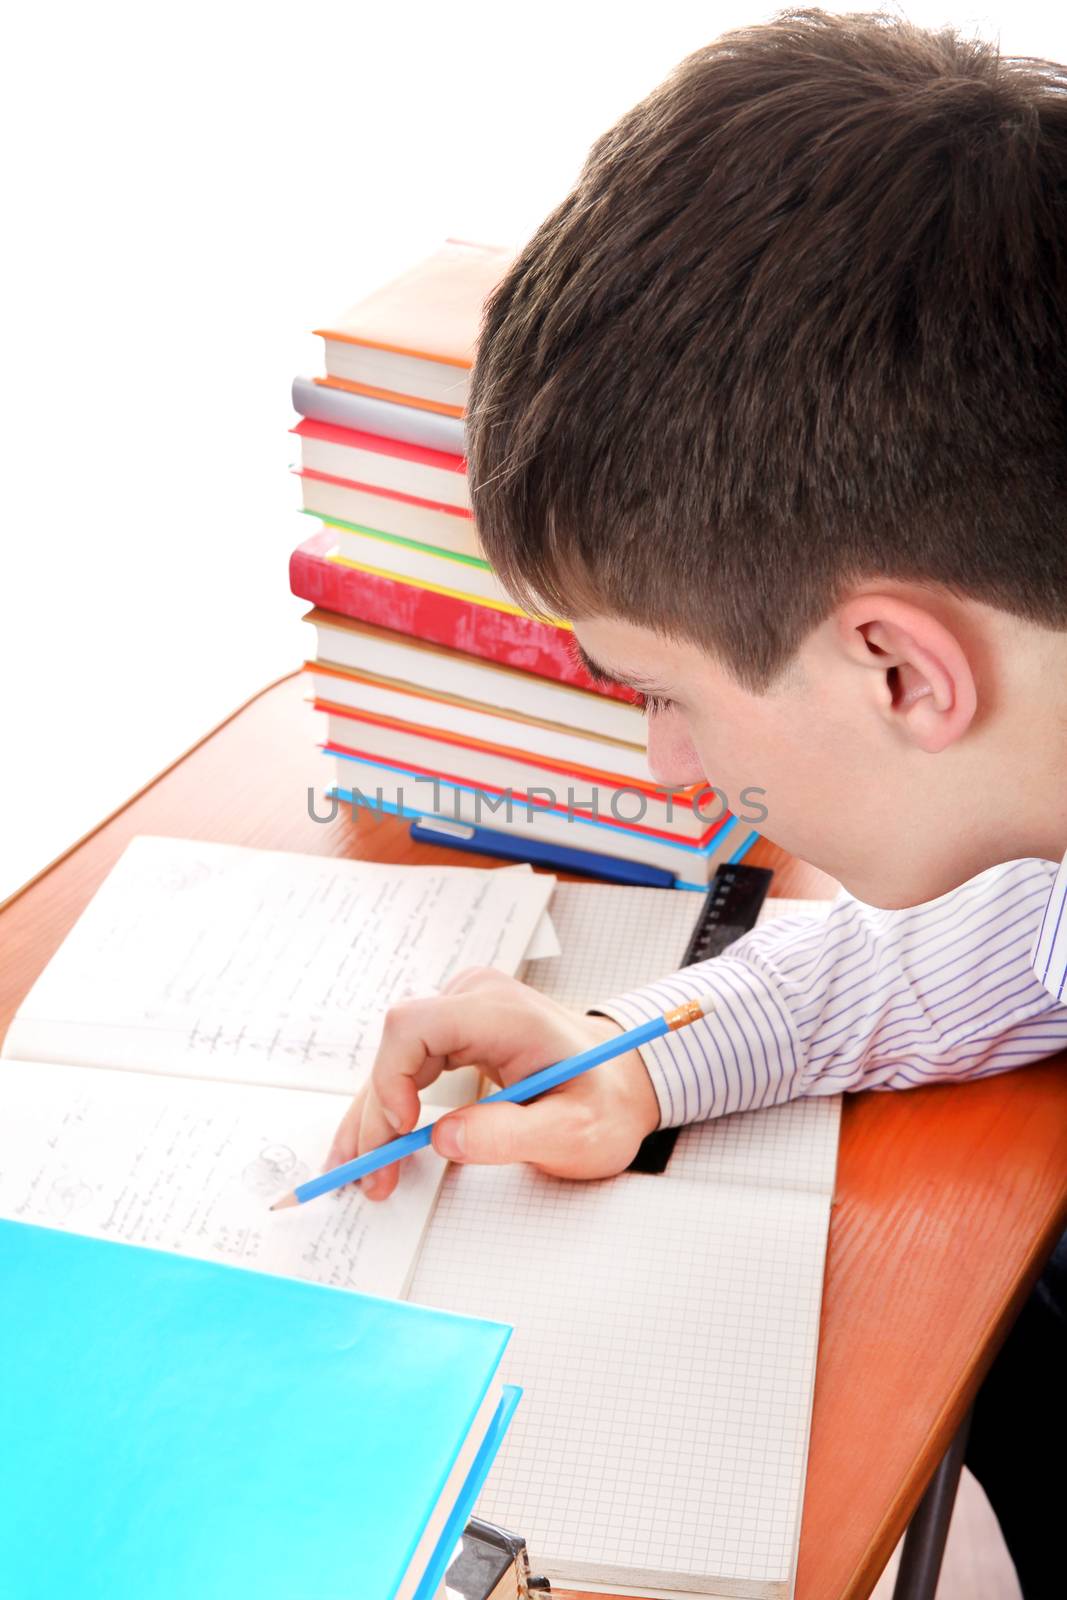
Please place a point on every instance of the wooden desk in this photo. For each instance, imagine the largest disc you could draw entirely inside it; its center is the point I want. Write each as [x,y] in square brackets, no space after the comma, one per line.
[948,1199]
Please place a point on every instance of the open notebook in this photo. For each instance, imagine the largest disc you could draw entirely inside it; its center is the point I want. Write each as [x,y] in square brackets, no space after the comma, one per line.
[187,1054]
[666,1324]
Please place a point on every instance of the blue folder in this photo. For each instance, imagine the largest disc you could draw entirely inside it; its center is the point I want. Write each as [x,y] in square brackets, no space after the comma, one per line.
[175,1428]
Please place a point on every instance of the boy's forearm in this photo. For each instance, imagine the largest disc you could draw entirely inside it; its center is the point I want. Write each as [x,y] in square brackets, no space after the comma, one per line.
[743,1055]
[859,999]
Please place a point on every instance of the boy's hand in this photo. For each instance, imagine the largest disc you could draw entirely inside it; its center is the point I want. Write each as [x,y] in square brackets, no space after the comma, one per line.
[590,1127]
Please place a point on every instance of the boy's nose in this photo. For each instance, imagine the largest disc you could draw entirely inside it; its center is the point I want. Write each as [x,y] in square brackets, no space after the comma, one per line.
[672,760]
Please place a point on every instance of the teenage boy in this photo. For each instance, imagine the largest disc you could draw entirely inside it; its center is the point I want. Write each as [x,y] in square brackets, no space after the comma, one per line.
[773,408]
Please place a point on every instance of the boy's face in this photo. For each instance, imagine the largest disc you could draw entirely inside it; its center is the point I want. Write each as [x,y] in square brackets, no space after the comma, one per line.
[865,767]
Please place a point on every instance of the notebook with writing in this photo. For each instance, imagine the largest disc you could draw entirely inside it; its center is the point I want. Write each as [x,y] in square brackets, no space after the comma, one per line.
[189,1050]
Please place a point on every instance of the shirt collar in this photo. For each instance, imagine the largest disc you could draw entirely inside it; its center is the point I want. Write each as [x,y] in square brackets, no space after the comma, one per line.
[1050,949]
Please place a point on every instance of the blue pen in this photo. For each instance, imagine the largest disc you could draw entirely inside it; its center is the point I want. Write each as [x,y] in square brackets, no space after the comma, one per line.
[493,842]
[547,1078]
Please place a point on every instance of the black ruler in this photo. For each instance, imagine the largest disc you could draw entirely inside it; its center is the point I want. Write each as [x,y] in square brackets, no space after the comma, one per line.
[730,908]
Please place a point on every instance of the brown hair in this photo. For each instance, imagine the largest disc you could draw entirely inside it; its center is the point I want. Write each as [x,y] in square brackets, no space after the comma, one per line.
[799,323]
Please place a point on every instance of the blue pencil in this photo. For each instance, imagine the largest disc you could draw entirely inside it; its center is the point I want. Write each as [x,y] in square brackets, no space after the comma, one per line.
[537,1083]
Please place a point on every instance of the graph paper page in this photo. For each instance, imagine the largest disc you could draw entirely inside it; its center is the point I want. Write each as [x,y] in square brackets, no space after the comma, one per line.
[665,1324]
[615,938]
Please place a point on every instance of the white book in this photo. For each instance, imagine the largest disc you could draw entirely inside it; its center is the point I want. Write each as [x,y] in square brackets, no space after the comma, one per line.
[395,372]
[440,568]
[689,815]
[362,647]
[443,481]
[355,503]
[178,1065]
[390,698]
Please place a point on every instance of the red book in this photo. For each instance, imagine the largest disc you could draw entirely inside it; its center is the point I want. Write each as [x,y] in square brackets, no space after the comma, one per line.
[476,630]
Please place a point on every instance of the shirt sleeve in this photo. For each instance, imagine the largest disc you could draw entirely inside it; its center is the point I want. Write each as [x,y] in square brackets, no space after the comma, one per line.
[858,998]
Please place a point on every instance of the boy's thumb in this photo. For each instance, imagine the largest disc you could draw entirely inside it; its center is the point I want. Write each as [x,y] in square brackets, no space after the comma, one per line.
[495,1134]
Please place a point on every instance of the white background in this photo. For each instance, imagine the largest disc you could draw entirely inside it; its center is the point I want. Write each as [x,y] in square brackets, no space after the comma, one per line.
[189,189]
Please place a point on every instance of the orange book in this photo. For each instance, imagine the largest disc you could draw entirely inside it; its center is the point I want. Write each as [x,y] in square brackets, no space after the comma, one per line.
[412,341]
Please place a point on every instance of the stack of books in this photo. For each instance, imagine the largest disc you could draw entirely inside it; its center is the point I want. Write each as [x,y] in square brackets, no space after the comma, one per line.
[443,700]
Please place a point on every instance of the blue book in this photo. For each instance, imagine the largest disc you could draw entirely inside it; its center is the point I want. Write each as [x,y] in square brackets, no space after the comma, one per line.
[175,1428]
[514,847]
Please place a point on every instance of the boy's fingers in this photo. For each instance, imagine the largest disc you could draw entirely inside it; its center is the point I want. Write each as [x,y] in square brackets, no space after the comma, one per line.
[348,1143]
[346,1139]
[418,1038]
[381,1122]
[388,1103]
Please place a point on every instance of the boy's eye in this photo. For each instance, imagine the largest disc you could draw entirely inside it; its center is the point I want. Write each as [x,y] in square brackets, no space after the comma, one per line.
[651,703]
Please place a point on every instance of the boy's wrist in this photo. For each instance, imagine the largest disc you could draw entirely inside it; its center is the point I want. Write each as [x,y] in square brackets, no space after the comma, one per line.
[646,1100]
[633,1076]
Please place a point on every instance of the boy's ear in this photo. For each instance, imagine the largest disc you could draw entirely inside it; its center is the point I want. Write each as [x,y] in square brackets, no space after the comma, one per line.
[928,690]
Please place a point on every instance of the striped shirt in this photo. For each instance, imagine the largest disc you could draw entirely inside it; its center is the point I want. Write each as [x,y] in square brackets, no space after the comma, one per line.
[970,984]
